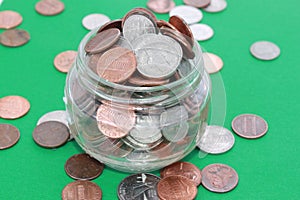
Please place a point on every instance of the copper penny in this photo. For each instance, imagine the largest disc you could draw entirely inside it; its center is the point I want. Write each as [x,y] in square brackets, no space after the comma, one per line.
[197,3]
[64,60]
[14,37]
[103,40]
[83,167]
[185,169]
[111,24]
[161,6]
[182,27]
[176,187]
[51,134]
[92,60]
[49,7]
[79,190]
[249,126]
[113,122]
[9,136]
[116,65]
[13,107]
[219,178]
[10,19]
[163,23]
[139,80]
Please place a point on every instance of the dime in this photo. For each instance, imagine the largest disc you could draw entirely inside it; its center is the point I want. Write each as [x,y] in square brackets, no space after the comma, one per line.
[189,14]
[102,40]
[49,7]
[212,62]
[202,32]
[14,37]
[182,27]
[176,132]
[13,107]
[265,50]
[78,190]
[144,82]
[161,6]
[249,126]
[138,186]
[83,167]
[9,136]
[176,187]
[111,24]
[10,19]
[95,20]
[216,6]
[51,134]
[219,178]
[216,140]
[65,60]
[197,3]
[57,115]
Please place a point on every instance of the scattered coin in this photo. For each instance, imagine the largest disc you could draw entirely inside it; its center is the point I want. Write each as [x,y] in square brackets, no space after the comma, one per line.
[10,19]
[212,62]
[9,136]
[197,3]
[190,14]
[78,190]
[49,7]
[216,140]
[176,187]
[216,6]
[14,37]
[51,134]
[13,107]
[64,60]
[161,6]
[219,178]
[57,115]
[265,50]
[95,20]
[202,32]
[249,126]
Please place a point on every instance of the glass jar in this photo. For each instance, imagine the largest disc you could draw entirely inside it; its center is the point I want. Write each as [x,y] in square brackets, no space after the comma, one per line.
[160,124]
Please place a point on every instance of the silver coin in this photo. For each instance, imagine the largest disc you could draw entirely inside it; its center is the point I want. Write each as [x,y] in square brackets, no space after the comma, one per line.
[95,20]
[123,42]
[140,186]
[137,25]
[265,50]
[141,156]
[57,115]
[216,6]
[201,32]
[175,133]
[184,68]
[172,116]
[137,145]
[216,140]
[189,14]
[158,56]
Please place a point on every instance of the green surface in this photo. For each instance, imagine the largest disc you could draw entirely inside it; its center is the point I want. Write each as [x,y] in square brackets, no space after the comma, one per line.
[268,167]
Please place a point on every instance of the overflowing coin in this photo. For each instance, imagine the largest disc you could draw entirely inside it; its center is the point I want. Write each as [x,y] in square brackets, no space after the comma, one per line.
[212,62]
[13,107]
[49,7]
[190,14]
[82,190]
[65,60]
[216,6]
[161,6]
[202,32]
[94,20]
[14,37]
[10,19]
[265,50]
[9,136]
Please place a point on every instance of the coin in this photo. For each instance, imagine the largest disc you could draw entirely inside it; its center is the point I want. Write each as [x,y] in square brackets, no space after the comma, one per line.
[10,19]
[9,136]
[173,116]
[102,41]
[94,20]
[176,132]
[13,107]
[161,6]
[116,65]
[65,60]
[139,186]
[78,190]
[14,37]
[49,7]
[189,14]
[265,50]
[216,140]
[83,167]
[219,178]
[212,62]
[176,187]
[249,126]
[140,11]
[182,27]
[185,169]
[197,3]
[57,115]
[51,134]
[202,32]
[216,6]
[144,82]
[111,24]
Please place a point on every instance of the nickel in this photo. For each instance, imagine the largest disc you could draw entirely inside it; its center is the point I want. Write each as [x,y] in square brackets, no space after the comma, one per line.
[265,50]
[9,136]
[202,32]
[94,20]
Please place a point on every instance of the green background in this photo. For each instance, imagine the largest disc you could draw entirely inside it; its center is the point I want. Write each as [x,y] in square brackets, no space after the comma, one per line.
[268,168]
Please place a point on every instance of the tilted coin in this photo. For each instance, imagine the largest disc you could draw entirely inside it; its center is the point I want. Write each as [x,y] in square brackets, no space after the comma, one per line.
[94,20]
[216,6]
[139,186]
[57,115]
[49,7]
[9,136]
[249,126]
[13,107]
[212,62]
[190,14]
[140,11]
[161,6]
[51,134]
[111,24]
[182,27]
[10,19]
[79,190]
[197,3]
[219,178]
[216,140]
[202,32]
[83,167]
[65,60]
[265,50]
[176,132]
[14,37]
